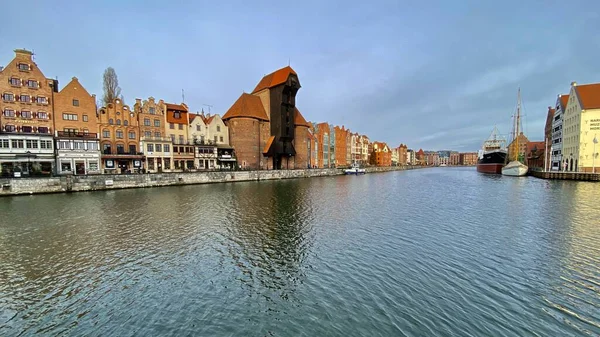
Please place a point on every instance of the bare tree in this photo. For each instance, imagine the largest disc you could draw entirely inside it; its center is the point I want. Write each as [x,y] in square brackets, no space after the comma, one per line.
[111,86]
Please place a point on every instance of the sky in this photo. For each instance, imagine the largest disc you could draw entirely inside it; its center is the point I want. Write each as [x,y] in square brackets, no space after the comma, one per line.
[431,74]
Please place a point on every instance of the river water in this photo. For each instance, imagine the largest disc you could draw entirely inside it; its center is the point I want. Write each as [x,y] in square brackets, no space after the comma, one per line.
[432,252]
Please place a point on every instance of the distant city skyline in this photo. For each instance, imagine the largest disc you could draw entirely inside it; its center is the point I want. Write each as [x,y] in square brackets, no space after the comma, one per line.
[435,77]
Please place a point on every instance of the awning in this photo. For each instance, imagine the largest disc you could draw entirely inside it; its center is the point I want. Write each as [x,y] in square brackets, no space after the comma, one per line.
[270,147]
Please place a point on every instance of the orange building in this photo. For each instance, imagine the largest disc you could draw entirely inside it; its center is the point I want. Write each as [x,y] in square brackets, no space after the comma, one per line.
[468,158]
[381,155]
[402,154]
[341,146]
[420,157]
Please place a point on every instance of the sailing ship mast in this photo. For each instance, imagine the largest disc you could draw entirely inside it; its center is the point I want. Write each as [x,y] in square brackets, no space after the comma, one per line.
[518,122]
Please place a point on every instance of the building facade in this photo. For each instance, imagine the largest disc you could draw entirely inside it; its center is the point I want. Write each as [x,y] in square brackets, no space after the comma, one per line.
[454,158]
[26,120]
[468,158]
[119,138]
[76,131]
[557,130]
[581,128]
[382,154]
[548,136]
[154,144]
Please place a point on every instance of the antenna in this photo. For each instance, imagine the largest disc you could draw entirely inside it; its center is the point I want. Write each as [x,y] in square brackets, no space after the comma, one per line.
[209,106]
[33,54]
[182,96]
[289,61]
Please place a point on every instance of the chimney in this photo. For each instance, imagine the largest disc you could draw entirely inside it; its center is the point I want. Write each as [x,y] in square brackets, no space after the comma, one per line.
[573,84]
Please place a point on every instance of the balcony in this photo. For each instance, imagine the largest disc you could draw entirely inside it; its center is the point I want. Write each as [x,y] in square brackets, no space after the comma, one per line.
[76,134]
[121,153]
[156,139]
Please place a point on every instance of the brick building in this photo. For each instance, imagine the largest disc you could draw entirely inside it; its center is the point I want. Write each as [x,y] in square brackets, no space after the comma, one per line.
[402,154]
[26,120]
[468,158]
[381,155]
[341,146]
[535,154]
[119,138]
[263,125]
[324,149]
[76,130]
[454,158]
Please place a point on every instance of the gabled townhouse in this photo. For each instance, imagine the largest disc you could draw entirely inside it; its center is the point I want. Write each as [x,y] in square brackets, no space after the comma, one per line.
[548,137]
[581,127]
[154,143]
[557,132]
[119,138]
[76,130]
[177,128]
[26,118]
[382,154]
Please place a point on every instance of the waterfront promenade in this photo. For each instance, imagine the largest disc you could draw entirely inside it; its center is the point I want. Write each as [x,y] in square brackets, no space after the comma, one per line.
[555,175]
[77,183]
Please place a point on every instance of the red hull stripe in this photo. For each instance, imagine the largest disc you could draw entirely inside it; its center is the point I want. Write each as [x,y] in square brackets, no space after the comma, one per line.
[490,168]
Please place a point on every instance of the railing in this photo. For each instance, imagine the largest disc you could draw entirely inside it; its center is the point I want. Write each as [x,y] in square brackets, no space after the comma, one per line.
[121,152]
[156,139]
[76,134]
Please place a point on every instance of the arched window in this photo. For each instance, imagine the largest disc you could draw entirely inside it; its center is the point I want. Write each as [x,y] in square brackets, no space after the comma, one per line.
[110,121]
[105,133]
[118,122]
[125,122]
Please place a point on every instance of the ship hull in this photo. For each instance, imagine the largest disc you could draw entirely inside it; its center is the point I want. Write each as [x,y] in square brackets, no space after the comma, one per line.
[491,162]
[515,169]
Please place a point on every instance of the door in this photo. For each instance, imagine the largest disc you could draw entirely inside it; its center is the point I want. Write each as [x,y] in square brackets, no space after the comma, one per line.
[79,167]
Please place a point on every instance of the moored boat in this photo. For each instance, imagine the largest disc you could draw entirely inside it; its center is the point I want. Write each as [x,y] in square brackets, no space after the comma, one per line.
[355,169]
[515,168]
[492,156]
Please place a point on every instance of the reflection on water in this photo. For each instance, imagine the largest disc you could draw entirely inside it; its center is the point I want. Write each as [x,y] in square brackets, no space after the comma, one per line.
[429,252]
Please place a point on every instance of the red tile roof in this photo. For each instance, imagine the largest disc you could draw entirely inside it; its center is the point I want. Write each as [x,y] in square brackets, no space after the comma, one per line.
[248,106]
[207,120]
[589,95]
[563,101]
[178,107]
[275,78]
[299,119]
[549,120]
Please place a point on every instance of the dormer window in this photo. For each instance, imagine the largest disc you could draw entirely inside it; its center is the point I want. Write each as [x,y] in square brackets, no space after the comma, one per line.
[151,110]
[24,67]
[15,82]
[33,84]
[177,114]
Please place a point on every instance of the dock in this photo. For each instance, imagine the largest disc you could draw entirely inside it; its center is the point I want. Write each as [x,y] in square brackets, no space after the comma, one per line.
[557,175]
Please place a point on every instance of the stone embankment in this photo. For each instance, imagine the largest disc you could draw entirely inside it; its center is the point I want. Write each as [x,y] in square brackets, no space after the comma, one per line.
[70,183]
[557,175]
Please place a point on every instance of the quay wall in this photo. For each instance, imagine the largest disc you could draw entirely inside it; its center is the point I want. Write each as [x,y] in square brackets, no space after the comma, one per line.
[75,183]
[580,176]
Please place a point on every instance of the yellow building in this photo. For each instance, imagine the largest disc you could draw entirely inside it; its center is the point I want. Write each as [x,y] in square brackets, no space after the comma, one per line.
[581,125]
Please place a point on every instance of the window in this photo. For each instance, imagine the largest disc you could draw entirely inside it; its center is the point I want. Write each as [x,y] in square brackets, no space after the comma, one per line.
[215,139]
[151,110]
[93,165]
[221,139]
[31,144]
[27,129]
[46,144]
[42,100]
[132,149]
[167,148]
[9,113]
[69,117]
[85,118]
[106,148]
[146,121]
[9,128]
[173,138]
[157,122]
[180,126]
[171,126]
[110,121]
[105,134]
[150,147]
[9,97]
[4,143]
[32,84]
[42,115]
[43,129]
[79,145]
[25,114]
[198,127]
[93,146]
[17,143]
[218,128]
[25,98]
[157,134]
[75,102]
[148,134]
[15,82]
[119,134]
[23,67]
[177,114]
[167,163]
[118,122]
[180,138]
[158,148]
[120,149]
[125,122]
[131,135]
[69,130]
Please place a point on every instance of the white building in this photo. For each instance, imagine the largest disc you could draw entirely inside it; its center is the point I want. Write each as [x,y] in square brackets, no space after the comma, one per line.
[26,154]
[77,153]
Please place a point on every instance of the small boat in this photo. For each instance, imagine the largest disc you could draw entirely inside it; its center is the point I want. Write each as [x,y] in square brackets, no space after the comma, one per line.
[443,165]
[355,169]
[515,168]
